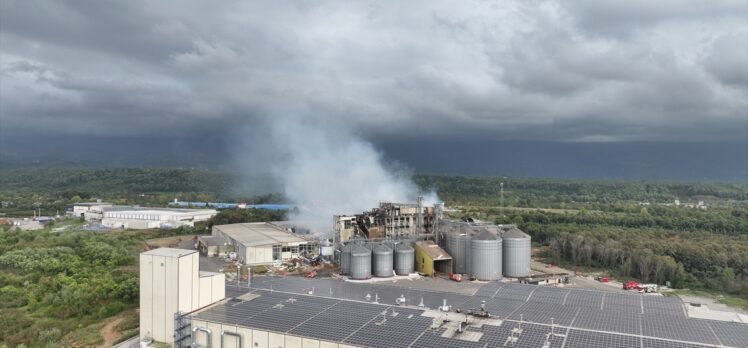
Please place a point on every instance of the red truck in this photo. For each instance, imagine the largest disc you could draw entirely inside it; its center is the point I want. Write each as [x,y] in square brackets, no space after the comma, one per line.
[633,285]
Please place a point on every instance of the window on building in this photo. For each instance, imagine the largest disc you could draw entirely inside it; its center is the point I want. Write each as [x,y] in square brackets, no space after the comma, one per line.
[277,252]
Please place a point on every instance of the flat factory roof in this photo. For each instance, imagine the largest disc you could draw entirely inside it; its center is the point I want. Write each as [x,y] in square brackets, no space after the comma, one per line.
[259,233]
[345,312]
[157,211]
[212,240]
[169,252]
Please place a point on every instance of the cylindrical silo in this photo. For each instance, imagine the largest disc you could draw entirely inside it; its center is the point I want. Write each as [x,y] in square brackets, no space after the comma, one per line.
[458,247]
[404,259]
[326,249]
[345,259]
[360,262]
[382,265]
[485,256]
[516,253]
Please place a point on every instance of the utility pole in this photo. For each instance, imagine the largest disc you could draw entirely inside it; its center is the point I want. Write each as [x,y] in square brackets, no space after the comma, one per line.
[501,185]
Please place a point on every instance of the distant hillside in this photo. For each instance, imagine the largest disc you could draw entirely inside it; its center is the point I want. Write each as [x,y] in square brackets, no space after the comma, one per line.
[158,185]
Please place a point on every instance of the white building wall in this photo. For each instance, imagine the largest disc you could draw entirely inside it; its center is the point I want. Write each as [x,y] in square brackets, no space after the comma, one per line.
[276,340]
[171,289]
[157,332]
[204,292]
[293,341]
[184,282]
[195,281]
[212,288]
[130,223]
[146,296]
[170,282]
[257,338]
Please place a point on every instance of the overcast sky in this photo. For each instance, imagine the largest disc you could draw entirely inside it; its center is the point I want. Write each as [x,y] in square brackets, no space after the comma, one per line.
[641,70]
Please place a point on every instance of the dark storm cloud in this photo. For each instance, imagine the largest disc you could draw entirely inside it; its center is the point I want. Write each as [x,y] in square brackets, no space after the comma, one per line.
[566,70]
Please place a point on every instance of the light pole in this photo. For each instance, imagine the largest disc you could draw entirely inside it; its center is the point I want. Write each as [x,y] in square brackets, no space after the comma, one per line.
[501,186]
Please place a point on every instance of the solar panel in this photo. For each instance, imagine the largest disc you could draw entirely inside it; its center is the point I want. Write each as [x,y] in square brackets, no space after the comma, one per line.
[391,329]
[596,319]
[549,295]
[339,311]
[543,312]
[679,329]
[587,339]
[583,298]
[660,343]
[730,334]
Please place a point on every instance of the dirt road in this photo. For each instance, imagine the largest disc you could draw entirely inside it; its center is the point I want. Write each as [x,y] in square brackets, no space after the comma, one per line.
[110,332]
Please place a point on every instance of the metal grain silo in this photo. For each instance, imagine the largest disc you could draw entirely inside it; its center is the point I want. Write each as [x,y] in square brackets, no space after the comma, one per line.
[458,245]
[345,259]
[485,256]
[516,253]
[360,262]
[405,257]
[382,265]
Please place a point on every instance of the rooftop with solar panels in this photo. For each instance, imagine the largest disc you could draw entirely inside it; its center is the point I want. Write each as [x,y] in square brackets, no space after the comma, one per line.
[336,313]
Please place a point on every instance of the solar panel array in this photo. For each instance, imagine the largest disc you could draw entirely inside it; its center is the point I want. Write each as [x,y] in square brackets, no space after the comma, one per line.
[588,339]
[366,315]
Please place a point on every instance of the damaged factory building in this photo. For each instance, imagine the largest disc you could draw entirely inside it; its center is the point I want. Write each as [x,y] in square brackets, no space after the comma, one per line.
[388,221]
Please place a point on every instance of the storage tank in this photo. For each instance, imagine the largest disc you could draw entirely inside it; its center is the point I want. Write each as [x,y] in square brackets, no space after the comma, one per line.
[360,262]
[345,259]
[382,265]
[405,257]
[326,250]
[485,256]
[458,245]
[516,253]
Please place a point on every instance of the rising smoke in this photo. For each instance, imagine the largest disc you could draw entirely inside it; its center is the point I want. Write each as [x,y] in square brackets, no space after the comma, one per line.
[325,170]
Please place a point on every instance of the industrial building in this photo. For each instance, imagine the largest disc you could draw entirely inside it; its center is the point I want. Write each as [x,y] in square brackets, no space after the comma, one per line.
[471,248]
[88,210]
[171,282]
[477,250]
[222,205]
[298,312]
[143,218]
[389,220]
[430,258]
[265,243]
[292,312]
[212,245]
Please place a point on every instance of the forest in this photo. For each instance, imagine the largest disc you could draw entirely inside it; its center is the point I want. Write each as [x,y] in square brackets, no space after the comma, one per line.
[690,248]
[53,286]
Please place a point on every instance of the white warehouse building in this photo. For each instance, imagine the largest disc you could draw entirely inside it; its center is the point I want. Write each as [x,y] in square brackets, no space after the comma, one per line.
[264,243]
[88,210]
[142,218]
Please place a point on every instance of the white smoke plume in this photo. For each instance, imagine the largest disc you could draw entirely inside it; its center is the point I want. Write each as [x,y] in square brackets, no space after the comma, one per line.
[327,170]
